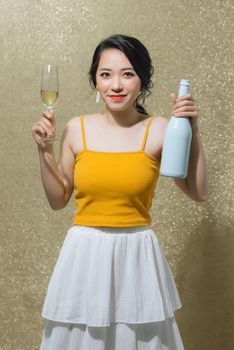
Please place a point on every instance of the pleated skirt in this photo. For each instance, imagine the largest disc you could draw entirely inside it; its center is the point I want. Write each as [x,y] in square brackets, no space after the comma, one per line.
[111,289]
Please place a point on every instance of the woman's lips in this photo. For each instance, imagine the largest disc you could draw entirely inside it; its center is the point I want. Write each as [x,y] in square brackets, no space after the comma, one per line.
[117,97]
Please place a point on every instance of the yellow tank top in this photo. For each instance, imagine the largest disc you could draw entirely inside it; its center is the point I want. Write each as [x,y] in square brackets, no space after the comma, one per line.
[114,188]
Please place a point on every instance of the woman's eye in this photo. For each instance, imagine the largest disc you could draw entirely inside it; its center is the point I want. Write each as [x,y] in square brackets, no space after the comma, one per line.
[104,74]
[129,74]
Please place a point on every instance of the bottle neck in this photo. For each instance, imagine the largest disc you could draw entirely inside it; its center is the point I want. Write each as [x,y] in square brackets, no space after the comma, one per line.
[184,90]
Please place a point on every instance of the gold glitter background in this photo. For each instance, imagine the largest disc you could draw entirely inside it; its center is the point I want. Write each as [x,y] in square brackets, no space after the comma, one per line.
[186,39]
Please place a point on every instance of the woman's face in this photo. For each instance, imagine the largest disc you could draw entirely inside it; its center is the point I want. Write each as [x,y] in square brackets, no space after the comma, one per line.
[116,76]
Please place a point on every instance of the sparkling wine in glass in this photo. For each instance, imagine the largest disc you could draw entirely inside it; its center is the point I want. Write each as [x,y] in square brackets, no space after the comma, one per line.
[49,90]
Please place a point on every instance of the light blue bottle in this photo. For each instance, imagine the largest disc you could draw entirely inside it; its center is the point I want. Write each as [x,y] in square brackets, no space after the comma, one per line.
[177,142]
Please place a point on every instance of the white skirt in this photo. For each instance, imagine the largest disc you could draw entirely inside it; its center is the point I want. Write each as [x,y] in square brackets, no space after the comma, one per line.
[111,289]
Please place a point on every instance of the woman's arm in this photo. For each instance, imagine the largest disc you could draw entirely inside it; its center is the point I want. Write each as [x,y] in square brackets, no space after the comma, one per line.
[196,183]
[57,176]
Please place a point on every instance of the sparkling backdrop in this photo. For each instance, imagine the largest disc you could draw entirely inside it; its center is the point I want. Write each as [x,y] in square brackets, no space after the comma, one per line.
[186,39]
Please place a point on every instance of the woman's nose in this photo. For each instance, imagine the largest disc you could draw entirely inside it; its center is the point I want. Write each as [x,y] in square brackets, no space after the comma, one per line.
[117,85]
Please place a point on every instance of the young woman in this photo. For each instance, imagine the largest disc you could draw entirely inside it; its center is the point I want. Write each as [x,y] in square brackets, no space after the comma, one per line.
[112,287]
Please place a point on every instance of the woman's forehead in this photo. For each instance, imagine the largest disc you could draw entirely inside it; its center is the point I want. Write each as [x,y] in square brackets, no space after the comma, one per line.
[113,58]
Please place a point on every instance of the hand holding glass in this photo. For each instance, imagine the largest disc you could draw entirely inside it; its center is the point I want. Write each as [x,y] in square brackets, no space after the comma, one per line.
[49,91]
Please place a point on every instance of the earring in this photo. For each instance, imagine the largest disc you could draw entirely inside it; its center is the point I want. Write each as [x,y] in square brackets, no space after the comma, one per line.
[145,100]
[97,96]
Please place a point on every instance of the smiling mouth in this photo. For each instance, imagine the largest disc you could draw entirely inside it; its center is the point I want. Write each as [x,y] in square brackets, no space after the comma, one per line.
[117,97]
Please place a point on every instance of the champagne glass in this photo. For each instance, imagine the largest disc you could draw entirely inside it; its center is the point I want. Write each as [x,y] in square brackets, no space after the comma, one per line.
[49,91]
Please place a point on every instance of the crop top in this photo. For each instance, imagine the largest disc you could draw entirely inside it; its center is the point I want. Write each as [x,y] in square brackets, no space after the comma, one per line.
[114,188]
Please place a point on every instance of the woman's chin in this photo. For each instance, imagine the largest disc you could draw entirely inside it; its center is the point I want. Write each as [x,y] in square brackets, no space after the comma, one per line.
[117,107]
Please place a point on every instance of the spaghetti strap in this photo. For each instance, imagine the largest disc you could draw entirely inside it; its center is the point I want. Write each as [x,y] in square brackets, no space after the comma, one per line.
[146,133]
[83,131]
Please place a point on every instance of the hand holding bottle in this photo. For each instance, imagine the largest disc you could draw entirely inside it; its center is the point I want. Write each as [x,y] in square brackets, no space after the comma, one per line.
[184,106]
[44,128]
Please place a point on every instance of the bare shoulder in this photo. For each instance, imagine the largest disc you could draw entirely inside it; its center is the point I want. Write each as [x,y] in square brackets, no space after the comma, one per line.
[72,128]
[155,139]
[160,122]
[75,121]
[158,127]
[74,132]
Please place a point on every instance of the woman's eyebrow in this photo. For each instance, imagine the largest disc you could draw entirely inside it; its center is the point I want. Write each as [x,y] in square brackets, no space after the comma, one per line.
[127,68]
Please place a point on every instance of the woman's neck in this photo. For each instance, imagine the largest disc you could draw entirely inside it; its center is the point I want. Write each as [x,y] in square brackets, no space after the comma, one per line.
[126,118]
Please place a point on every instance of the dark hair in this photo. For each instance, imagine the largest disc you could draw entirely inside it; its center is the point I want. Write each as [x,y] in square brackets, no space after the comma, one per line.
[138,56]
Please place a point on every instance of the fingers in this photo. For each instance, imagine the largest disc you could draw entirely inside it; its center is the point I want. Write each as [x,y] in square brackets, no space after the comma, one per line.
[44,127]
[185,100]
[41,130]
[186,114]
[48,127]
[181,98]
[187,104]
[185,108]
[50,116]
